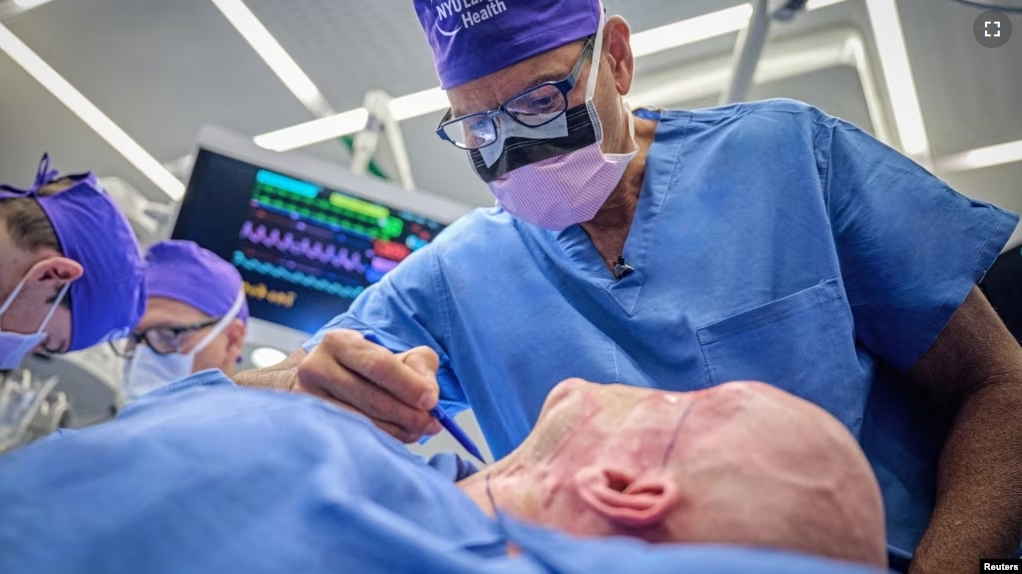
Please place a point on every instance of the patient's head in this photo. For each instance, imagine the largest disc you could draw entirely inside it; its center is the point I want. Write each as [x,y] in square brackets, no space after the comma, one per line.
[742,463]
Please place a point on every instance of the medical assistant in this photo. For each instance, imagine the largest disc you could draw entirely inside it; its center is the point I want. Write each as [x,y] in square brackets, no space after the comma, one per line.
[202,476]
[770,242]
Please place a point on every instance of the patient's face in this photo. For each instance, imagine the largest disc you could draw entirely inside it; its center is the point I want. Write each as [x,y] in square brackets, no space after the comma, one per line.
[741,463]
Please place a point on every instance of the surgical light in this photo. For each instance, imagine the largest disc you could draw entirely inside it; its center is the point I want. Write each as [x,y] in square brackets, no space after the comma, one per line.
[90,114]
[684,32]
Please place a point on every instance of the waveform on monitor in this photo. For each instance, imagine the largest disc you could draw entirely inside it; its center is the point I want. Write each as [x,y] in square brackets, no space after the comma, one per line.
[297,277]
[330,214]
[341,258]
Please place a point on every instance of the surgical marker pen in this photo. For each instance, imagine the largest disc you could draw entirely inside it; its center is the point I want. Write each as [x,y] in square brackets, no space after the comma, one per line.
[442,417]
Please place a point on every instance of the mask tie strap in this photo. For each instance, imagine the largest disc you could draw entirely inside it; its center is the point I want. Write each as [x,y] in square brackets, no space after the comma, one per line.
[43,175]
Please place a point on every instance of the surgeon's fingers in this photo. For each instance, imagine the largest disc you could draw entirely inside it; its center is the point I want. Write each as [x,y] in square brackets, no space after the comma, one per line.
[424,361]
[400,433]
[383,368]
[325,378]
[387,427]
[337,369]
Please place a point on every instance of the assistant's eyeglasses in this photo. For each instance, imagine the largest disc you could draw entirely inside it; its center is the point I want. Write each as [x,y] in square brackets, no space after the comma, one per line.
[162,339]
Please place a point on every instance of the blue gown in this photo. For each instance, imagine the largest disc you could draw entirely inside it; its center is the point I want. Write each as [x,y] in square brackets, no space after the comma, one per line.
[204,477]
[770,242]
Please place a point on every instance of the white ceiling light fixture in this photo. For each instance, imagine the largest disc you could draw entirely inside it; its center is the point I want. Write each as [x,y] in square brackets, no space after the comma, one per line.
[691,30]
[897,71]
[656,40]
[418,104]
[266,357]
[817,4]
[90,114]
[24,5]
[9,8]
[275,56]
[979,158]
[316,131]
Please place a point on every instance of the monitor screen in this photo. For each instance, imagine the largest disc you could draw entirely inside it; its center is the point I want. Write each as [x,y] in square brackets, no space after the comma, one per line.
[305,250]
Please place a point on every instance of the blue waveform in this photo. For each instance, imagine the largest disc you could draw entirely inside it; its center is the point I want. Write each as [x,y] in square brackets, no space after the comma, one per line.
[319,284]
[286,183]
[305,247]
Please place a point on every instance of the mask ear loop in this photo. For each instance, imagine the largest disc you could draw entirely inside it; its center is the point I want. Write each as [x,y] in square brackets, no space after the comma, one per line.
[13,295]
[231,314]
[594,68]
[53,308]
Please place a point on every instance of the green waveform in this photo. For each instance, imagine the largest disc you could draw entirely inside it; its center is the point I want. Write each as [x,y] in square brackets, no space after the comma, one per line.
[387,227]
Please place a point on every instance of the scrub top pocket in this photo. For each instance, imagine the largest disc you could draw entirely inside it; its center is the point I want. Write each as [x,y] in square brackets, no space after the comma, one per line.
[803,343]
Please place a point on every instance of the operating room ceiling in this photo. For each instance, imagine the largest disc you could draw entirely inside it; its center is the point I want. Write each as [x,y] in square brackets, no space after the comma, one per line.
[162,69]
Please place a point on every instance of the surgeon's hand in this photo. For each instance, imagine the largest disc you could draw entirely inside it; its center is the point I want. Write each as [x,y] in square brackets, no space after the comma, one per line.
[395,391]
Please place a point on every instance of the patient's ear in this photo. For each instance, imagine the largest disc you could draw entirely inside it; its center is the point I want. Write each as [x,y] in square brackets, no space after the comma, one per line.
[626,499]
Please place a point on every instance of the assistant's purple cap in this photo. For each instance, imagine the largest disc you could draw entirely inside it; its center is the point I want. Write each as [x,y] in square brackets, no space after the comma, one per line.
[185,272]
[474,38]
[108,300]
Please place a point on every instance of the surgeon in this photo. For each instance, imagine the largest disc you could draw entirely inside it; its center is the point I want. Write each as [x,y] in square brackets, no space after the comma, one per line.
[204,476]
[70,267]
[682,249]
[195,319]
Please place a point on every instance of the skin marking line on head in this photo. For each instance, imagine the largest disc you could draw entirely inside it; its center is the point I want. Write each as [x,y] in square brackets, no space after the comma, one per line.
[677,429]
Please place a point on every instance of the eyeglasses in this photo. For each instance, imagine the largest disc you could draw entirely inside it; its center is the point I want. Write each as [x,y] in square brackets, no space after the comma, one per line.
[162,339]
[535,107]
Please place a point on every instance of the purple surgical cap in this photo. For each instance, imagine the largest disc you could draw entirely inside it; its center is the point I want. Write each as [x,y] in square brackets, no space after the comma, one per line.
[185,272]
[474,38]
[108,300]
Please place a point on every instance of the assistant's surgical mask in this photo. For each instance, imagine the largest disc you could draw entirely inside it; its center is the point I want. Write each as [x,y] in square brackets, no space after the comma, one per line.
[556,175]
[148,370]
[14,347]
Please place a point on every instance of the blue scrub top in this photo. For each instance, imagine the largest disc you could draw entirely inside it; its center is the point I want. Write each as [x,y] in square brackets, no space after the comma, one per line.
[771,242]
[202,476]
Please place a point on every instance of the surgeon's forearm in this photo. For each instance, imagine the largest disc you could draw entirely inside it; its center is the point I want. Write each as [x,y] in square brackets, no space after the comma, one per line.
[978,512]
[281,376]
